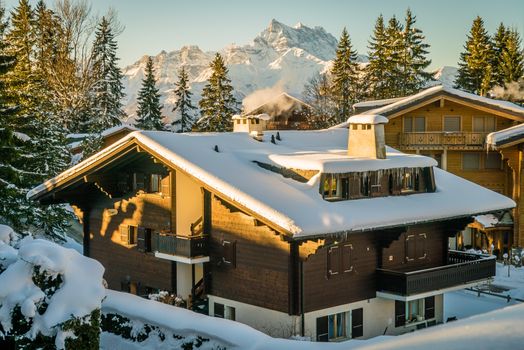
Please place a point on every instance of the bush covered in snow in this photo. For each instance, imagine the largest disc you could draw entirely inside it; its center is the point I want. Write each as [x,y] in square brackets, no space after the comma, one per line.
[46,301]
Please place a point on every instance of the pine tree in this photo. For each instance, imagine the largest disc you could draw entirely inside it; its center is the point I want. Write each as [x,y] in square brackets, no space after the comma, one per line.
[108,90]
[345,72]
[475,73]
[218,104]
[376,69]
[183,103]
[394,52]
[149,110]
[512,59]
[499,45]
[413,61]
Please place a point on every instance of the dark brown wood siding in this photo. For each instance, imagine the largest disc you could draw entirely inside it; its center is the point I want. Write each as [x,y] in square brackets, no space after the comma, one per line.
[259,275]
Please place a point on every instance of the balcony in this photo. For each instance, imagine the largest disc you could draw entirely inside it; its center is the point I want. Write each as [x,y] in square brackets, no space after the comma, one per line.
[186,249]
[440,140]
[462,269]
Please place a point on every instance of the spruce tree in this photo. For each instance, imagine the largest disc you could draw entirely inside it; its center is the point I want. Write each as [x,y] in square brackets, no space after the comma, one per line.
[499,45]
[376,69]
[345,73]
[512,59]
[413,61]
[183,104]
[108,90]
[218,105]
[394,52]
[475,73]
[149,110]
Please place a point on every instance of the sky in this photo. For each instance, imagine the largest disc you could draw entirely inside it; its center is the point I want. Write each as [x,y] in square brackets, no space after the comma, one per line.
[155,25]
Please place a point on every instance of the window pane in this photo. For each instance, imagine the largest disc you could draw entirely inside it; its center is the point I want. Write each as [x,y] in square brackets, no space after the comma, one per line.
[470,161]
[341,324]
[331,326]
[493,161]
[408,124]
[478,124]
[452,123]
[420,124]
[489,124]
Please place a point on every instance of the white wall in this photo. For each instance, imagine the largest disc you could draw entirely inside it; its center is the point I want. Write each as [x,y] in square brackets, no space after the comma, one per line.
[183,278]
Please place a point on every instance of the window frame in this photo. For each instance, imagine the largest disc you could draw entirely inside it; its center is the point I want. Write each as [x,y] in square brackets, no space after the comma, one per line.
[499,160]
[412,122]
[484,119]
[451,116]
[467,154]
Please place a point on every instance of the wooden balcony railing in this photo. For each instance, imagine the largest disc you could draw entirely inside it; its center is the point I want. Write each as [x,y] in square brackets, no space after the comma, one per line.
[462,268]
[407,139]
[185,246]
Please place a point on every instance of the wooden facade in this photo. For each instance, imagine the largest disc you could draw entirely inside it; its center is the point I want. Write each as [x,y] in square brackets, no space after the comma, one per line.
[458,144]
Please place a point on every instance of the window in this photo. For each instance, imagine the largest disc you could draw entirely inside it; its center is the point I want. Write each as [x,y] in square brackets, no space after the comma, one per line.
[128,234]
[342,325]
[484,124]
[429,308]
[471,161]
[400,313]
[229,252]
[257,121]
[415,247]
[357,323]
[238,121]
[337,326]
[408,181]
[355,126]
[414,124]
[143,239]
[493,160]
[155,183]
[244,121]
[224,311]
[138,181]
[340,259]
[332,186]
[414,311]
[452,123]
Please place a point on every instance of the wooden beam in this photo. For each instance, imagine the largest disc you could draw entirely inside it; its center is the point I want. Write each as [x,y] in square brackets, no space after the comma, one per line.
[442,103]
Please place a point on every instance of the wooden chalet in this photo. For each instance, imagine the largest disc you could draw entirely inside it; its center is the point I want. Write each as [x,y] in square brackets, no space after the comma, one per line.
[451,126]
[286,112]
[328,234]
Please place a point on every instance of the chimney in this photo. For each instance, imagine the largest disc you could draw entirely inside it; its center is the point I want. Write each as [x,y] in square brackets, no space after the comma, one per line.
[366,136]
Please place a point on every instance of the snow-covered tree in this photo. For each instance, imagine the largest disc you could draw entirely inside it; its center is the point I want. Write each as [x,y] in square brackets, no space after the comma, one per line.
[183,104]
[107,90]
[317,93]
[345,75]
[475,72]
[376,69]
[413,60]
[218,105]
[499,45]
[511,65]
[149,110]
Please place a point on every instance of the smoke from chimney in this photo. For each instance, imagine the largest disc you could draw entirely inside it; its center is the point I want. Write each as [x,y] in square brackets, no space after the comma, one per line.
[513,91]
[263,96]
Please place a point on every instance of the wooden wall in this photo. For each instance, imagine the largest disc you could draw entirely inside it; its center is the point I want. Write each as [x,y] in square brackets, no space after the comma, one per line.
[260,276]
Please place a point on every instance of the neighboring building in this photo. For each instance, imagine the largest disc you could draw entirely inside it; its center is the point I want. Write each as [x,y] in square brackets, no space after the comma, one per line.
[286,112]
[109,137]
[297,236]
[451,126]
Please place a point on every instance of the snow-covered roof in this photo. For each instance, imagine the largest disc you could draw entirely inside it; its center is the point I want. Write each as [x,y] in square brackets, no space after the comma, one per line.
[297,207]
[118,128]
[262,116]
[377,103]
[501,105]
[274,99]
[368,119]
[505,136]
[487,220]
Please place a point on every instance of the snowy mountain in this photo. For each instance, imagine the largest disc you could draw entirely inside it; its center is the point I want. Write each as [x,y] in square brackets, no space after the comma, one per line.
[446,76]
[281,58]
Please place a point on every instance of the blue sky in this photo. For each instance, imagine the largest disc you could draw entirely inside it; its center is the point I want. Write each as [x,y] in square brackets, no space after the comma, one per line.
[155,25]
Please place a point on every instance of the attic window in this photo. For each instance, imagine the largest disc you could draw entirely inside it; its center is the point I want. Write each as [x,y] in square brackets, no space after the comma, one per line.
[154,183]
[332,187]
[238,121]
[257,121]
[244,121]
[355,126]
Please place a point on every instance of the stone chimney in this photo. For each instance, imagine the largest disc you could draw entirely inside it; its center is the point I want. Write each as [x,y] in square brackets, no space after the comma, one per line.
[366,136]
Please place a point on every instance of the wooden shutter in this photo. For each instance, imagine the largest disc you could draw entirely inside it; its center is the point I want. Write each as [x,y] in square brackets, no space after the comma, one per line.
[354,187]
[219,310]
[334,260]
[408,124]
[164,185]
[357,323]
[229,252]
[141,239]
[452,123]
[347,263]
[400,313]
[322,329]
[420,124]
[429,308]
[139,181]
[420,246]
[124,234]
[411,252]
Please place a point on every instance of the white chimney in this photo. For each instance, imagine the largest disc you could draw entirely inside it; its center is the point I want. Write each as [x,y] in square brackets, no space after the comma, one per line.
[366,136]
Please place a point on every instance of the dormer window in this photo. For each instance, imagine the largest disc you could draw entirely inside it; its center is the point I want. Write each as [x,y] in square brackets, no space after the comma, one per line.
[332,187]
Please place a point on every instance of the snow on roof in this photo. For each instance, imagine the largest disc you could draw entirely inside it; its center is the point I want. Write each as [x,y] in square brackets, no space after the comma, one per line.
[262,116]
[368,119]
[497,138]
[276,97]
[377,103]
[298,207]
[504,105]
[77,295]
[487,220]
[115,129]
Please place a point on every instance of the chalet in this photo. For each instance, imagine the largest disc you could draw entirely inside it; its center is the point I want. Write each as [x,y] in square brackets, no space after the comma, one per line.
[451,126]
[329,234]
[286,112]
